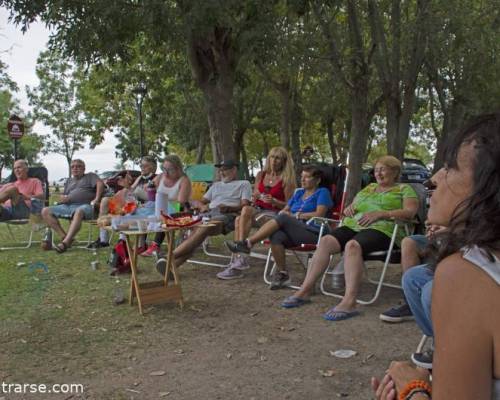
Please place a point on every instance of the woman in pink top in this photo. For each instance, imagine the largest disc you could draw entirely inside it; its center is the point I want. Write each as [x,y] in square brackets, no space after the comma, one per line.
[273,187]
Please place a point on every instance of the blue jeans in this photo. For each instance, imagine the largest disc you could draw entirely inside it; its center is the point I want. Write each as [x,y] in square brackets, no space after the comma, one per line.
[417,287]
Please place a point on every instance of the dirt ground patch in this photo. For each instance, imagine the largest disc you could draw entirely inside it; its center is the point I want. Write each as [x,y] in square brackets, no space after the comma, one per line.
[231,341]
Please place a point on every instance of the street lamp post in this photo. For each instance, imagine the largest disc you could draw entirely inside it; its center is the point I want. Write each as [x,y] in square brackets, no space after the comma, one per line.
[139,93]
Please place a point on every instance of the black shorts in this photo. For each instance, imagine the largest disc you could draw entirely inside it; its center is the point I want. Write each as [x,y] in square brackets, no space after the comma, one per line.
[370,240]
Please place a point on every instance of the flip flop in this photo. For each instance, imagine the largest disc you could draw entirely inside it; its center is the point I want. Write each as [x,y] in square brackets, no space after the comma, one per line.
[294,302]
[61,247]
[337,315]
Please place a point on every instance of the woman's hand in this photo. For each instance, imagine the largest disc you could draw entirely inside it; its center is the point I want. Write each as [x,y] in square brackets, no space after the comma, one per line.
[266,198]
[399,374]
[349,211]
[384,390]
[370,217]
[402,372]
[287,212]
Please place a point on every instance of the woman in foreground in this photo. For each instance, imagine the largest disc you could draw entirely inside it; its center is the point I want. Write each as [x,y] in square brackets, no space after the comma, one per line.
[466,291]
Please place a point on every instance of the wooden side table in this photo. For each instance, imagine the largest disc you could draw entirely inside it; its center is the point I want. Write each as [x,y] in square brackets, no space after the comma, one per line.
[154,292]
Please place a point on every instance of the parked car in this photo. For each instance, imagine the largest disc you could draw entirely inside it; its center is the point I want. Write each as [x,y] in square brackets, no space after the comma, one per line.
[112,181]
[107,174]
[414,171]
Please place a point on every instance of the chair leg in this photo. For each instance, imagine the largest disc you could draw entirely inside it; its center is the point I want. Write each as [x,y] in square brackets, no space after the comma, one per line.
[379,283]
[23,244]
[422,343]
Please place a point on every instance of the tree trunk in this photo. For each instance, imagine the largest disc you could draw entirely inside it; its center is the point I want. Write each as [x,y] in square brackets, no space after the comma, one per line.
[359,135]
[244,163]
[331,139]
[200,149]
[212,61]
[399,92]
[297,119]
[284,92]
[453,119]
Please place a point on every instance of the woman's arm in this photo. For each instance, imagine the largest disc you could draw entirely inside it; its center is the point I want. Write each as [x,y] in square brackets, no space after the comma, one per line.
[136,182]
[256,193]
[409,210]
[319,212]
[464,303]
[184,190]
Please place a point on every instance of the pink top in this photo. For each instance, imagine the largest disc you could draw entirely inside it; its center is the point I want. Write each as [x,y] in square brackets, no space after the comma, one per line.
[28,188]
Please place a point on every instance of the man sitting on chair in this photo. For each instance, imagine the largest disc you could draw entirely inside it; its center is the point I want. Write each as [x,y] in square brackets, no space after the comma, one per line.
[222,203]
[82,193]
[15,197]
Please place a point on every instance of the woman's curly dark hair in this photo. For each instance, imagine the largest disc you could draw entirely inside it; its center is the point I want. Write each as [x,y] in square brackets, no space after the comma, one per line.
[477,220]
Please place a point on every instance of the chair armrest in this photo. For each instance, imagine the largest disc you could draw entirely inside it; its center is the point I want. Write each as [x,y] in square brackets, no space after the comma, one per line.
[322,221]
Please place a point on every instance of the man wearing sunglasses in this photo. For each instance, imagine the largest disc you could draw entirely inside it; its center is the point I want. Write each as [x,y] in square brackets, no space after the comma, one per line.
[82,194]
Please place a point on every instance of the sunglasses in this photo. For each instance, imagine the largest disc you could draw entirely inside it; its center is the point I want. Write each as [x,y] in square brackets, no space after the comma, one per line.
[168,170]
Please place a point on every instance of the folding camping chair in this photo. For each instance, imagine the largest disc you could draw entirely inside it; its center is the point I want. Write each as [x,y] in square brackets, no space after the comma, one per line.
[389,256]
[40,173]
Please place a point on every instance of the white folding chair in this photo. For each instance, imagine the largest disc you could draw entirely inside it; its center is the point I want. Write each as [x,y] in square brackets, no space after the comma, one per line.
[388,256]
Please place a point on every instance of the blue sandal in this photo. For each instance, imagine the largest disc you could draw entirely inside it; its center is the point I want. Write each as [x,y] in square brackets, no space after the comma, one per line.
[294,302]
[337,315]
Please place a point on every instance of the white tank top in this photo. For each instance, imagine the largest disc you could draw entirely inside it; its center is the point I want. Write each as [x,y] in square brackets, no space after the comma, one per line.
[169,193]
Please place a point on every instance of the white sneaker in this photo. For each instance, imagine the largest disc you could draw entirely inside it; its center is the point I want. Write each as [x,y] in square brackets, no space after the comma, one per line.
[240,263]
[230,273]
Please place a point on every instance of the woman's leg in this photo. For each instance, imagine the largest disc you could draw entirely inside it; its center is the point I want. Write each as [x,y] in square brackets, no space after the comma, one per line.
[353,265]
[328,245]
[244,223]
[264,232]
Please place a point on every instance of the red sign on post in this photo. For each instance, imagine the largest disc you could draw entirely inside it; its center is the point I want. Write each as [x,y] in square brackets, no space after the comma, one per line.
[15,126]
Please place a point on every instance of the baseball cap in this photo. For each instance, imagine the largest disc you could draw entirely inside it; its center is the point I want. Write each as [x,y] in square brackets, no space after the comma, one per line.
[227,164]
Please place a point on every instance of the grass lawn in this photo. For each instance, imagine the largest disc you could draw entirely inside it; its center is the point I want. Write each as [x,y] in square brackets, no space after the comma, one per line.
[232,340]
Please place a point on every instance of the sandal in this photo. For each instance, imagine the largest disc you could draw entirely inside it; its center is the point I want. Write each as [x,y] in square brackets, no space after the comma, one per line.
[61,247]
[294,302]
[338,315]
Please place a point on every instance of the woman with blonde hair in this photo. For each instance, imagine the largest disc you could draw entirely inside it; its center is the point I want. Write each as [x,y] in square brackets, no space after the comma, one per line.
[172,185]
[274,185]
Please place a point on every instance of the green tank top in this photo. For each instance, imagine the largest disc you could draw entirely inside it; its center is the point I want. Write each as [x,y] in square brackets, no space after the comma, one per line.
[368,200]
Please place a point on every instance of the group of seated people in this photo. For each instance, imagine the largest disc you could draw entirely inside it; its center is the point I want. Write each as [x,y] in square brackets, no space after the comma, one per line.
[454,270]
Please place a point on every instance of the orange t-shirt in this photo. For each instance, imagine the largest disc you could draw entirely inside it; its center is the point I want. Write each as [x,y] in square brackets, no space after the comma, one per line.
[28,188]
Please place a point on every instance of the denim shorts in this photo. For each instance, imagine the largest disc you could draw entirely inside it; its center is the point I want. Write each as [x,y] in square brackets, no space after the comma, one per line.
[68,210]
[421,241]
[16,211]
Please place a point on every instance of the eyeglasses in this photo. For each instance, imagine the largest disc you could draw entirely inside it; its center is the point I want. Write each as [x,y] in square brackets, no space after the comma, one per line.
[381,169]
[77,166]
[168,170]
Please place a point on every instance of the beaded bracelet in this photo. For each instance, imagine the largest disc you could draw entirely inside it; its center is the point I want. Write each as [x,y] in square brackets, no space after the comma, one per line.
[412,385]
[418,391]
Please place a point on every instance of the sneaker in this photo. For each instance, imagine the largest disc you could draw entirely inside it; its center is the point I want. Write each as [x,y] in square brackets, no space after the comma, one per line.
[151,250]
[240,263]
[142,249]
[397,314]
[423,360]
[237,246]
[280,280]
[97,245]
[230,273]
